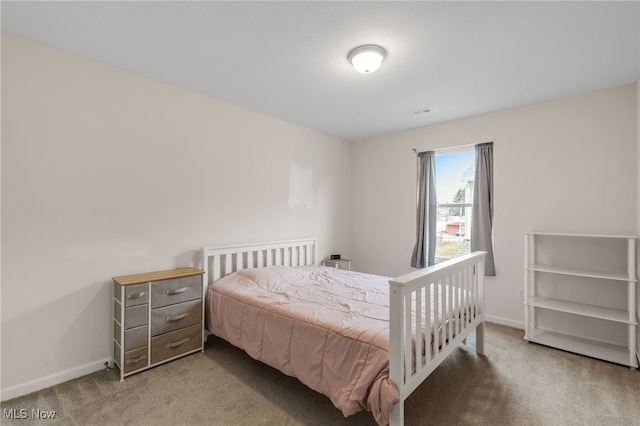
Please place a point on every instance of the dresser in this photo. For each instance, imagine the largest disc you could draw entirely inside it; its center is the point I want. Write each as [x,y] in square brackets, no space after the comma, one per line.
[157,317]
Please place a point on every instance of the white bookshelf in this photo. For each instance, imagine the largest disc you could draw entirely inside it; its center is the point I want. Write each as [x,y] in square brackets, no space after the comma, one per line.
[609,262]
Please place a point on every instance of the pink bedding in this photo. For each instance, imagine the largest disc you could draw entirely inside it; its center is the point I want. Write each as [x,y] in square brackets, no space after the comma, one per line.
[327,327]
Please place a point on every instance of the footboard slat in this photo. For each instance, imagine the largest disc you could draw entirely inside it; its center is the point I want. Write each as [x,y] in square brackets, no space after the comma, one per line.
[452,308]
[436,317]
[407,333]
[429,324]
[467,296]
[418,330]
[474,292]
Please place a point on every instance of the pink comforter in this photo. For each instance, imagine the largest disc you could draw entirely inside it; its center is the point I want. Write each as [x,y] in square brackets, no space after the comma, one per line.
[327,327]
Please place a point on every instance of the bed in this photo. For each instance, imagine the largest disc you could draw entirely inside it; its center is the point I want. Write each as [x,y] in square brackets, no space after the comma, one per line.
[363,340]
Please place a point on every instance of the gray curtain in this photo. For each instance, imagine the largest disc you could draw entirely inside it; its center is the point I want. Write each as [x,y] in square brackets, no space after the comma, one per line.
[482,220]
[425,248]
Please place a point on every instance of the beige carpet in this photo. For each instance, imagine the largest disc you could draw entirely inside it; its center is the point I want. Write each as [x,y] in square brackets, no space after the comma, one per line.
[517,383]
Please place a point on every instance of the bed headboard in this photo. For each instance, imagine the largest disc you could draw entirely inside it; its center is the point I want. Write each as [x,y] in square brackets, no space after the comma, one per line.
[223,260]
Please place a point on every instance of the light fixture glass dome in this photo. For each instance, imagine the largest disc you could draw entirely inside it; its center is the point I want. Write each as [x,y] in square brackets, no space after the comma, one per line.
[367,59]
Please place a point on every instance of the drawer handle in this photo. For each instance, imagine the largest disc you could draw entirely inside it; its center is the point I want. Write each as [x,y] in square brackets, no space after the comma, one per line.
[178,343]
[136,295]
[177,291]
[177,317]
[136,360]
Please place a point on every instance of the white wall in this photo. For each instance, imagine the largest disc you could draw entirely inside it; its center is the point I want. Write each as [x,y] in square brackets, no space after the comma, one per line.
[106,173]
[567,165]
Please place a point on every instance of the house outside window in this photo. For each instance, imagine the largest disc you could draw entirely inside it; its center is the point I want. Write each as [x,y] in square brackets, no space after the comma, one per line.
[454,175]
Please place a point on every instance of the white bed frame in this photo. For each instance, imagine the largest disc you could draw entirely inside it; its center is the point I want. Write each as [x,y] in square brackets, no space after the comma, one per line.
[462,276]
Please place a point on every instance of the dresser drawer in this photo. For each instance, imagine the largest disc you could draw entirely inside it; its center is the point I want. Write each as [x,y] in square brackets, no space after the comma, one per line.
[168,292]
[133,338]
[136,294]
[136,359]
[175,343]
[134,316]
[173,317]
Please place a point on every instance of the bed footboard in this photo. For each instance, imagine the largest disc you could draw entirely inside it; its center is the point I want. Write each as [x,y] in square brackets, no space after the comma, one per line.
[445,301]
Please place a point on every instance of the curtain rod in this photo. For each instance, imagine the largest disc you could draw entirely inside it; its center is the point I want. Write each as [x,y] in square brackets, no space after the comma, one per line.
[453,148]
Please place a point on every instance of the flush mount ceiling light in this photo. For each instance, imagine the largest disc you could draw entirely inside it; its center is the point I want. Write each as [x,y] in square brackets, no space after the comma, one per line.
[367,59]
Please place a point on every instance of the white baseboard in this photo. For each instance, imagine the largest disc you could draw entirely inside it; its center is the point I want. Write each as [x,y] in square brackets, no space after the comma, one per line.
[504,321]
[52,380]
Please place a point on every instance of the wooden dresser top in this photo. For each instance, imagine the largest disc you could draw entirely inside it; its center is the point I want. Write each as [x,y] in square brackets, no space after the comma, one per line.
[156,276]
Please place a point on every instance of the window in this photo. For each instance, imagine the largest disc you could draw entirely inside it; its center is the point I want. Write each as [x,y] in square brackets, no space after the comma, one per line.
[454,195]
[454,176]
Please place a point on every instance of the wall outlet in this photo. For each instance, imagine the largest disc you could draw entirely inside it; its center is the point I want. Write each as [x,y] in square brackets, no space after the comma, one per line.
[520,294]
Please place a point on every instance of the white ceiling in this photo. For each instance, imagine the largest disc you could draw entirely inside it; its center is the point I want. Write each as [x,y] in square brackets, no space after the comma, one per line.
[289,59]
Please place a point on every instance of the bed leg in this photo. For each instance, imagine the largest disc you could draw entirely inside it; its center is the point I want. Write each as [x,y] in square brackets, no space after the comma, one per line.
[480,339]
[397,414]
